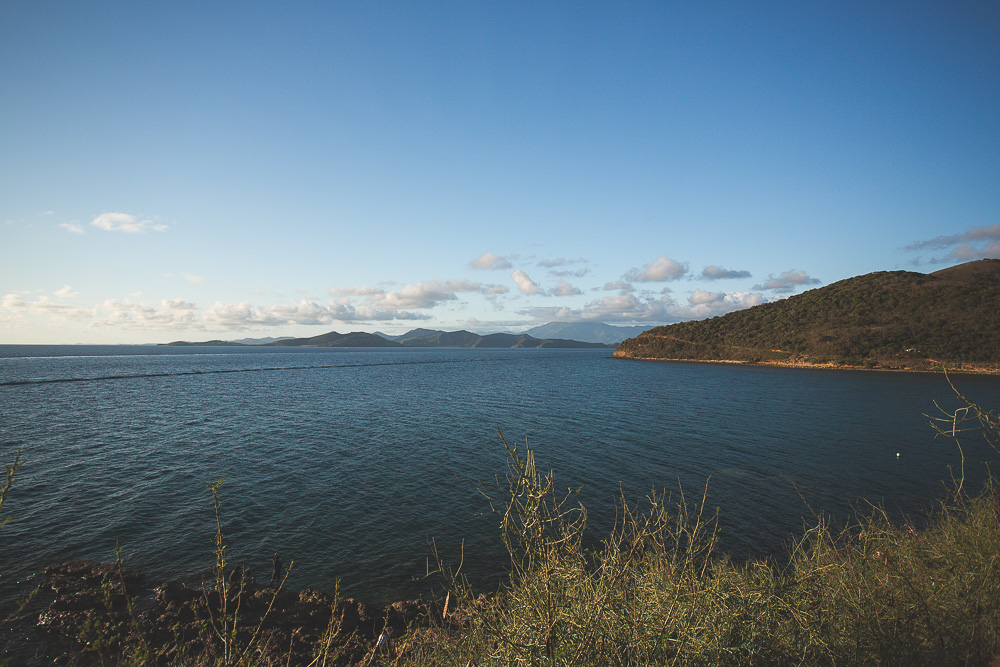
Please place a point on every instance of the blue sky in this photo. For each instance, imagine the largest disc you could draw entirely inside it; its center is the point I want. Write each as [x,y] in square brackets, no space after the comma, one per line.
[227,170]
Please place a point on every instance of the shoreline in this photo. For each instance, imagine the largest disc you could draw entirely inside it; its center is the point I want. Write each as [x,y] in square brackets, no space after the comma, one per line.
[973,370]
[75,599]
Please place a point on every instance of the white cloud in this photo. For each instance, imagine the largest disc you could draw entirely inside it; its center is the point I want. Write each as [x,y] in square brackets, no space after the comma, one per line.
[985,233]
[565,289]
[490,262]
[364,290]
[238,316]
[352,305]
[427,294]
[619,308]
[123,222]
[198,280]
[619,285]
[125,314]
[178,304]
[786,281]
[661,269]
[167,314]
[524,283]
[628,308]
[44,306]
[977,243]
[718,273]
[66,292]
[704,304]
[699,297]
[579,273]
[551,264]
[244,315]
[72,227]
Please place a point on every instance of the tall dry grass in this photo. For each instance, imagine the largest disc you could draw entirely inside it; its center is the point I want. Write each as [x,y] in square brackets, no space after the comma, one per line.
[657,592]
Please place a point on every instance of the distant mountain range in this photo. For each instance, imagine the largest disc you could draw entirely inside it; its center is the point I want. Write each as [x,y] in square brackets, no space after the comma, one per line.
[593,332]
[887,319]
[416,338]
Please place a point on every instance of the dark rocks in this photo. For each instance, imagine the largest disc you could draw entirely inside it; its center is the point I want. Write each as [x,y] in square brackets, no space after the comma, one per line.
[78,573]
[83,604]
[355,617]
[169,593]
[401,616]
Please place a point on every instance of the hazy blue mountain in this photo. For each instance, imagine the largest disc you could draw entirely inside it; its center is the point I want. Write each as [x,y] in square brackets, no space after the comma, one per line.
[258,341]
[591,332]
[425,338]
[413,333]
[418,338]
[334,339]
[496,340]
[205,343]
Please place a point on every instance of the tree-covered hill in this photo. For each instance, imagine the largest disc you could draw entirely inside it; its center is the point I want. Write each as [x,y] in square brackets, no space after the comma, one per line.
[888,319]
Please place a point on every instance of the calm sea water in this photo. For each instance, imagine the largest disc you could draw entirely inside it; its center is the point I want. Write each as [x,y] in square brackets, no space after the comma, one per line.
[348,460]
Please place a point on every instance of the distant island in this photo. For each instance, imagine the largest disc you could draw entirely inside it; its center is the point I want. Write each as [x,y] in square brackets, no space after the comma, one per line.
[592,332]
[893,320]
[414,338]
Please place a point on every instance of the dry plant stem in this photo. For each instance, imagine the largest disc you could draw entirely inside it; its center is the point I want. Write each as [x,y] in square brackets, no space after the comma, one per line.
[655,592]
[10,471]
[951,424]
[322,651]
[226,626]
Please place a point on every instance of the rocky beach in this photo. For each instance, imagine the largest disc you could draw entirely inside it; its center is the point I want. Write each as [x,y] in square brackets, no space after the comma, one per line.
[82,612]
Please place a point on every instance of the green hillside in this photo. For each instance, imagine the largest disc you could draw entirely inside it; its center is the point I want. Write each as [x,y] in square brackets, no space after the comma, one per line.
[887,319]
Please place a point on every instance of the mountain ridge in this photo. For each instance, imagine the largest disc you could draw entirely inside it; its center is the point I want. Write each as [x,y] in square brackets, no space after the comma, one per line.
[592,332]
[415,338]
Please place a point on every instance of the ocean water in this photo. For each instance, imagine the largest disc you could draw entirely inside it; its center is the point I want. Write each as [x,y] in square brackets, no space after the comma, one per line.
[348,461]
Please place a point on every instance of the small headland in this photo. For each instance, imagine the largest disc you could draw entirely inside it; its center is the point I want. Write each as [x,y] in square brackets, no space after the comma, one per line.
[887,320]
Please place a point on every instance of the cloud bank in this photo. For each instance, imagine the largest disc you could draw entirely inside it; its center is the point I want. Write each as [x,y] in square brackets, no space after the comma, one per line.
[659,270]
[719,273]
[525,283]
[977,243]
[630,309]
[787,281]
[490,262]
[129,224]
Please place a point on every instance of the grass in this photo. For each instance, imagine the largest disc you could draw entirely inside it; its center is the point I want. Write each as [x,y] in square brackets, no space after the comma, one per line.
[656,591]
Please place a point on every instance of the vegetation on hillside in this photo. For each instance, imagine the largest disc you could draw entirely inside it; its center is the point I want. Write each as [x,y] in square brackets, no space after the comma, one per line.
[896,319]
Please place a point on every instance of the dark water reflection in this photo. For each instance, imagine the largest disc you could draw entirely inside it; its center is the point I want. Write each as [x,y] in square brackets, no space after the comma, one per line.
[347,460]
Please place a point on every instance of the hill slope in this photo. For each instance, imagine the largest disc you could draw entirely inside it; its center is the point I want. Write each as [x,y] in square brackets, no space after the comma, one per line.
[887,319]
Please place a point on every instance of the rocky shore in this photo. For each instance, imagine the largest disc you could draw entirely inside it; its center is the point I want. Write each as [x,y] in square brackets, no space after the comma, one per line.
[85,613]
[910,366]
